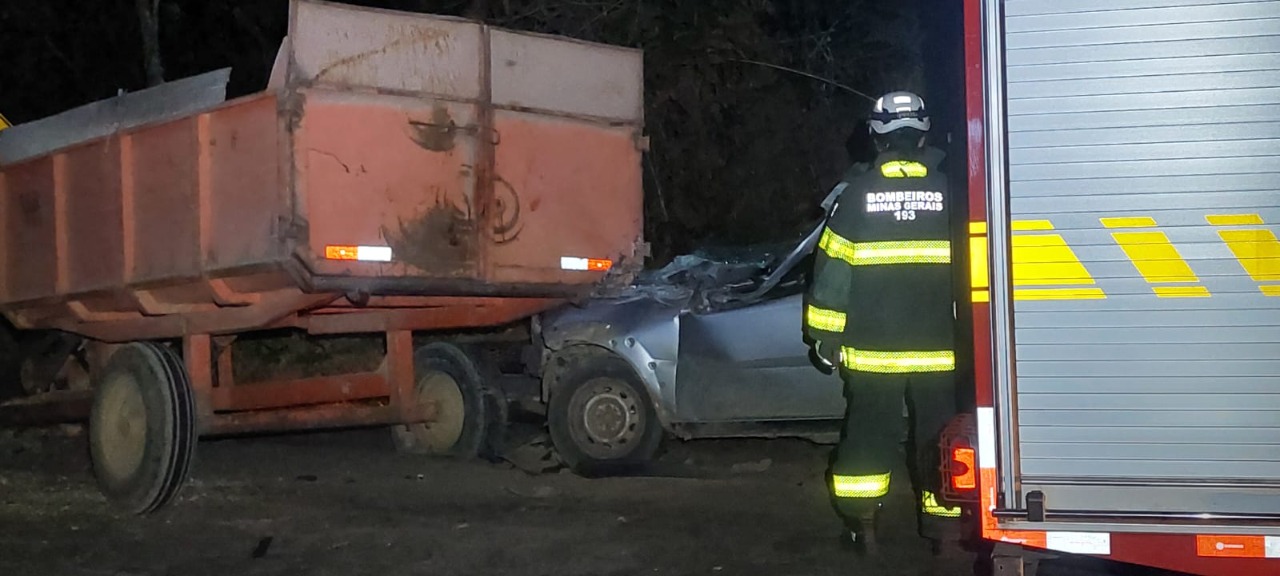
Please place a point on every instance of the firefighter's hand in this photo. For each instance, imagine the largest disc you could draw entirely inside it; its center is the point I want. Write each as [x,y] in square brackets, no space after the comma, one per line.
[827,358]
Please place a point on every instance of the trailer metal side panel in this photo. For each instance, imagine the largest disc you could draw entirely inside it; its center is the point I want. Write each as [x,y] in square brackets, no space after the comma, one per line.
[539,158]
[1144,168]
[388,178]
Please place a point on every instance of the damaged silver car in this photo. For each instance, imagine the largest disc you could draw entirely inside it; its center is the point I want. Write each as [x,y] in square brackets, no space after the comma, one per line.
[708,346]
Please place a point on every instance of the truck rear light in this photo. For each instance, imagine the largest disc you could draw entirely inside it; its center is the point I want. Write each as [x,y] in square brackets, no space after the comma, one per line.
[586,264]
[360,253]
[959,466]
[964,473]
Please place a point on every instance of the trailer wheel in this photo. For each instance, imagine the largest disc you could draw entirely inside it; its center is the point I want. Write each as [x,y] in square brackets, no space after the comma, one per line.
[466,418]
[601,419]
[142,430]
[10,363]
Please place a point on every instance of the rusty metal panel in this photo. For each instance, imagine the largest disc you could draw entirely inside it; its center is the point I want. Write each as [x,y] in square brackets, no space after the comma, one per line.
[166,217]
[349,46]
[246,196]
[94,223]
[390,171]
[566,77]
[30,230]
[564,189]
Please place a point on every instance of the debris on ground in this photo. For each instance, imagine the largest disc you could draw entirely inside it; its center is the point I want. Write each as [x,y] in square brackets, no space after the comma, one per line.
[263,545]
[537,456]
[536,492]
[757,466]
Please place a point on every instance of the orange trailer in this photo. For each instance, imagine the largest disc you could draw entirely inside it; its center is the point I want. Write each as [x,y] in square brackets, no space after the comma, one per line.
[401,173]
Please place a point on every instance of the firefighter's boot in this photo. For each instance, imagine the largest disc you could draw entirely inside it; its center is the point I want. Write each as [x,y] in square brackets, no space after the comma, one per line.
[860,533]
[940,523]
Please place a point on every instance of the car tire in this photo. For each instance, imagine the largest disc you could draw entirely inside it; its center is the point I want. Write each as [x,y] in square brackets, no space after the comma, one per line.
[468,420]
[601,418]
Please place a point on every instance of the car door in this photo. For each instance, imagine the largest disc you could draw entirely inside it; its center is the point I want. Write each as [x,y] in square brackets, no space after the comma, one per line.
[751,363]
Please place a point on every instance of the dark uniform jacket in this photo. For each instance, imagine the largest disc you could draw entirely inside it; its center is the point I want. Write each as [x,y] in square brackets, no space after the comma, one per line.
[881,286]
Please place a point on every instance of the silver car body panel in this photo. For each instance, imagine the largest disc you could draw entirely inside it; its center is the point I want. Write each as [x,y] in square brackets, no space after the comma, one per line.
[721,354]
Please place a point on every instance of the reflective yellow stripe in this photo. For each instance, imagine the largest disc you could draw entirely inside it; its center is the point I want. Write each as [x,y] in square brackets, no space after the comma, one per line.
[823,319]
[1046,260]
[1031,225]
[903,169]
[900,362]
[1181,292]
[1059,294]
[836,246]
[1129,222]
[929,505]
[1234,219]
[903,252]
[870,486]
[4,122]
[879,253]
[978,263]
[1258,252]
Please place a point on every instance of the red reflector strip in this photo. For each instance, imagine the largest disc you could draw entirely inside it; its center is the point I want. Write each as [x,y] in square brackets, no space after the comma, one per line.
[585,264]
[1236,546]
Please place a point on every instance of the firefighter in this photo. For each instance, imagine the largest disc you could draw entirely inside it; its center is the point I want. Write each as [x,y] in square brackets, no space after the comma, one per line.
[880,310]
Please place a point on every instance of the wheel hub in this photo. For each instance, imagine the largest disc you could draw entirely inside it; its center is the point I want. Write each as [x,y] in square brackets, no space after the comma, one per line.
[610,417]
[441,391]
[607,417]
[125,428]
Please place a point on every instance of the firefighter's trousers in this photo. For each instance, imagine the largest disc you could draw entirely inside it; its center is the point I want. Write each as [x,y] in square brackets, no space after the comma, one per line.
[871,455]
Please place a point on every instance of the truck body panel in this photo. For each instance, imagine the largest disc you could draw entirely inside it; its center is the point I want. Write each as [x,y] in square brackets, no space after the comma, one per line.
[1126,310]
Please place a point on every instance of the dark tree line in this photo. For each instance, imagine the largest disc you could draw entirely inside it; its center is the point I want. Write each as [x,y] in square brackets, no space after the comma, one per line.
[745,140]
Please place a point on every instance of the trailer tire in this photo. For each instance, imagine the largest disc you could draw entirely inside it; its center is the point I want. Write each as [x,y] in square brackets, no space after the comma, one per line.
[468,418]
[10,363]
[142,429]
[601,419]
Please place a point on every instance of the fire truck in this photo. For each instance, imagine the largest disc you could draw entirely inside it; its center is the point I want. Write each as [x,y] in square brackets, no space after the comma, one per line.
[1124,198]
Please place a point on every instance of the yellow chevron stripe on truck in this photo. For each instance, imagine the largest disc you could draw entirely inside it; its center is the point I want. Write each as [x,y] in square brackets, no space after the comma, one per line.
[1042,262]
[1257,249]
[1156,258]
[1046,268]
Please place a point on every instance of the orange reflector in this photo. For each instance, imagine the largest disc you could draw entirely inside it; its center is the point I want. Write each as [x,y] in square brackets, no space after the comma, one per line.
[362,253]
[586,264]
[1230,546]
[340,252]
[964,476]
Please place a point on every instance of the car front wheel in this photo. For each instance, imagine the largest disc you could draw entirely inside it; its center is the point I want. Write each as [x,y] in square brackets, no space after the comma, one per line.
[601,418]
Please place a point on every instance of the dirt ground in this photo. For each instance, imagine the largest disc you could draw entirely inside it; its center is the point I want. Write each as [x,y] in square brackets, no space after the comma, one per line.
[346,503]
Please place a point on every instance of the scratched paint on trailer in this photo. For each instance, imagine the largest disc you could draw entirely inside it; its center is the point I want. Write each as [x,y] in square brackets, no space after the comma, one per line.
[29,234]
[165,223]
[94,239]
[348,46]
[246,197]
[564,187]
[371,180]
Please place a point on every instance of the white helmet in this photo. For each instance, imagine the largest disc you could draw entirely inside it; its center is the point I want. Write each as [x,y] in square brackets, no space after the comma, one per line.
[897,110]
